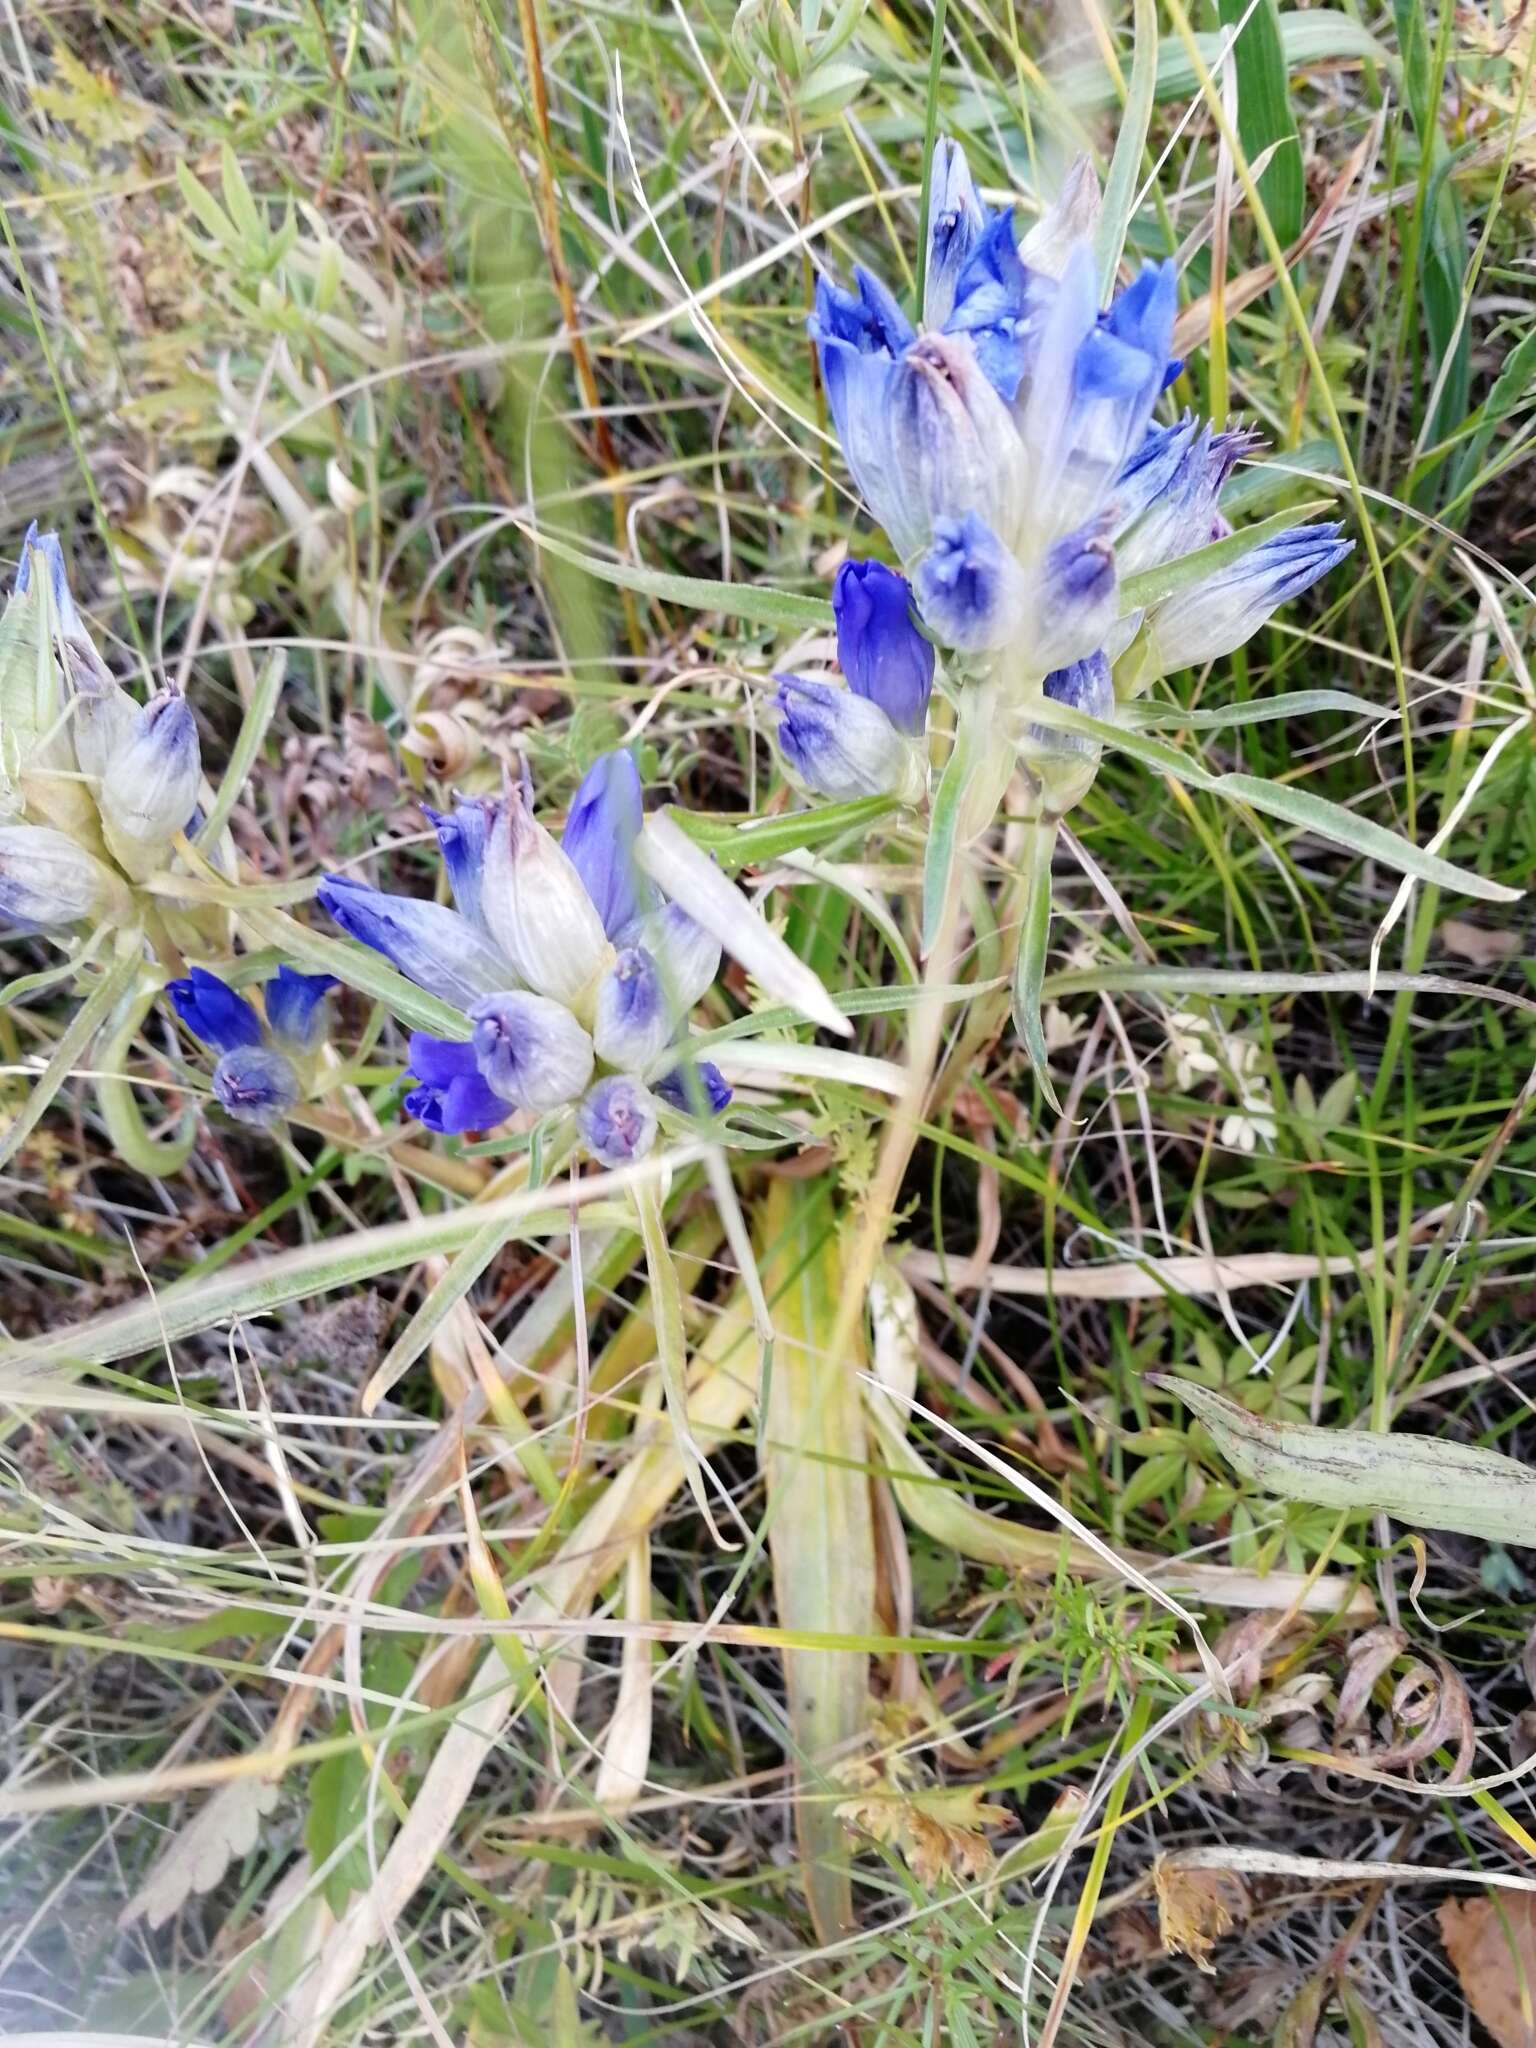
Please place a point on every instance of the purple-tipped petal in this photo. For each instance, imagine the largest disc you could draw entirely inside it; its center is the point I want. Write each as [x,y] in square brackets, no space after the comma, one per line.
[601,828]
[295,1012]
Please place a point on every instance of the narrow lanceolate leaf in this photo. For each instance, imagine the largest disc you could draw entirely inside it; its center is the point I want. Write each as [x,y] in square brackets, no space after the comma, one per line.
[1282,800]
[1321,35]
[751,601]
[1145,716]
[1430,1482]
[1034,941]
[820,1527]
[736,844]
[686,873]
[1130,146]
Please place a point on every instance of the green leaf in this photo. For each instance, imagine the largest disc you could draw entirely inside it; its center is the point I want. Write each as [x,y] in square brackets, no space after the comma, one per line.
[751,842]
[356,966]
[1153,585]
[1318,36]
[1142,715]
[1130,146]
[1264,114]
[1430,1482]
[750,601]
[205,206]
[1292,806]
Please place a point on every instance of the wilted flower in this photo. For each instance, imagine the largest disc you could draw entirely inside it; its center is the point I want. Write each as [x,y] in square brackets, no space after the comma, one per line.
[82,758]
[537,909]
[262,1070]
[549,947]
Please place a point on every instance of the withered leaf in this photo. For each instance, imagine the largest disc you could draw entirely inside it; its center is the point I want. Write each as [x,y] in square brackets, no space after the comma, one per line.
[1492,1943]
[1196,1907]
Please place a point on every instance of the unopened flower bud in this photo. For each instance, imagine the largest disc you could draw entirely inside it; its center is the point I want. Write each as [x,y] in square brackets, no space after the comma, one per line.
[149,789]
[601,828]
[617,1121]
[255,1085]
[1217,616]
[436,947]
[957,220]
[697,1087]
[879,648]
[687,957]
[462,835]
[538,910]
[841,746]
[530,1050]
[632,1019]
[47,880]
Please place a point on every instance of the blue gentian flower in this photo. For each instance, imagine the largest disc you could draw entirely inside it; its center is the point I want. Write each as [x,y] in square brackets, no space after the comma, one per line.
[633,1022]
[972,590]
[548,945]
[601,828]
[451,1095]
[530,1050]
[257,1077]
[1214,617]
[841,745]
[214,1012]
[437,948]
[295,1007]
[957,220]
[1008,448]
[879,648]
[617,1121]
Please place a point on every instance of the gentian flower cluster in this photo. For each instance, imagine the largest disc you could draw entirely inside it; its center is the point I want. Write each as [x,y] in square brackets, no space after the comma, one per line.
[1007,445]
[94,787]
[576,978]
[262,1070]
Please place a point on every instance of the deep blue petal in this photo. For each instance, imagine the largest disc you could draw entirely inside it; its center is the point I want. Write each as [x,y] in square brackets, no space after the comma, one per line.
[436,947]
[294,1011]
[462,834]
[601,828]
[212,1011]
[694,1087]
[879,648]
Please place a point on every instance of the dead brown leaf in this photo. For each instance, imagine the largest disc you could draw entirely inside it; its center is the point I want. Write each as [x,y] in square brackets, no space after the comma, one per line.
[938,1829]
[1492,1943]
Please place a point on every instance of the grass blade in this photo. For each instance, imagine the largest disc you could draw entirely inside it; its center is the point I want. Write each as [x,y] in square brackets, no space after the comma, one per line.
[1130,145]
